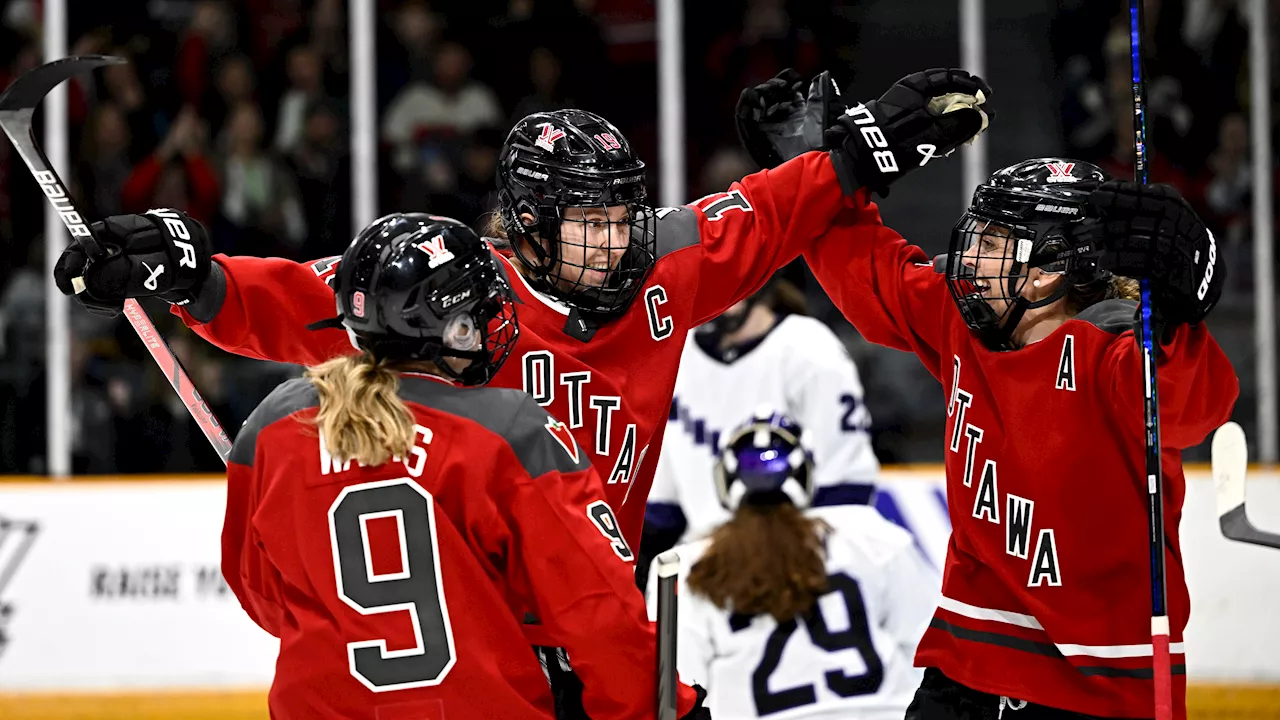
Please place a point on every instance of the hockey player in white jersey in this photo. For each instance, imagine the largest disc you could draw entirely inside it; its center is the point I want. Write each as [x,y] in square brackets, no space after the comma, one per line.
[762,351]
[793,612]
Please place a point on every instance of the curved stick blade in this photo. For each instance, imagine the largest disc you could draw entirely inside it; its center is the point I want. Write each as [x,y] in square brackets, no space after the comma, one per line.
[30,88]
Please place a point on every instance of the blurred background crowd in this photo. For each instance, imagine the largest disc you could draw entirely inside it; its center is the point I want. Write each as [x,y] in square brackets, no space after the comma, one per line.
[238,112]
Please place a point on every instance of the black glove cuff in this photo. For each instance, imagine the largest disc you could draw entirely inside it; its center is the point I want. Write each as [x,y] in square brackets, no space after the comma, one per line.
[203,301]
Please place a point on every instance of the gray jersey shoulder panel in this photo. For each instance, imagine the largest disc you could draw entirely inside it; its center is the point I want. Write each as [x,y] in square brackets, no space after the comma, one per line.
[511,414]
[677,229]
[1112,316]
[288,398]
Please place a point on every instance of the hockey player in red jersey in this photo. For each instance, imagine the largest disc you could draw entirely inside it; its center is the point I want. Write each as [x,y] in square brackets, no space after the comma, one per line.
[391,522]
[1027,322]
[609,285]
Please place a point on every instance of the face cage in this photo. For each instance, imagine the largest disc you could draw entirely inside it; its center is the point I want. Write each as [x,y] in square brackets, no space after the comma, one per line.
[563,280]
[1006,285]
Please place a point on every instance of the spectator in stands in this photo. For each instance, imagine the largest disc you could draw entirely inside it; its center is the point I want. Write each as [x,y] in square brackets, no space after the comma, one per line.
[178,174]
[261,211]
[454,103]
[306,88]
[321,165]
[105,164]
[236,83]
[548,94]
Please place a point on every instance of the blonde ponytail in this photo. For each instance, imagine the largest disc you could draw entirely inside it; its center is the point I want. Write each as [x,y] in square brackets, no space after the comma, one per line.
[1115,287]
[361,416]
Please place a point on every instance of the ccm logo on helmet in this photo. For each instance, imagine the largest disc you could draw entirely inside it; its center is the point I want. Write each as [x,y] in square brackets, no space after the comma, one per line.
[1208,269]
[874,137]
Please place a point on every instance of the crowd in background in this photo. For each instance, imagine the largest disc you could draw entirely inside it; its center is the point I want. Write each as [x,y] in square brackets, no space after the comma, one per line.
[238,113]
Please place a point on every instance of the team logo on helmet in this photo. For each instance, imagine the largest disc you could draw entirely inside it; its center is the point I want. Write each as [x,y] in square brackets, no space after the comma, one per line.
[550,134]
[437,253]
[1060,172]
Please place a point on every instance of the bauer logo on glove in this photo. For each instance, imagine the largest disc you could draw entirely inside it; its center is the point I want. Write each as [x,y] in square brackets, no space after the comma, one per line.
[162,253]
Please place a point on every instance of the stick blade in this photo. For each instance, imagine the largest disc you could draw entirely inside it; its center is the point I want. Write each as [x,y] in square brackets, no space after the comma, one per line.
[1230,466]
[29,89]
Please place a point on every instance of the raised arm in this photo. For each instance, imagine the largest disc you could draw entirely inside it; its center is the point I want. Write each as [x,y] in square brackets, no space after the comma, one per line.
[770,217]
[260,308]
[256,307]
[886,287]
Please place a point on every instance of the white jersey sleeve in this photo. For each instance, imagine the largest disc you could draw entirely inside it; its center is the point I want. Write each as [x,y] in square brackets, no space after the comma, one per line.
[826,397]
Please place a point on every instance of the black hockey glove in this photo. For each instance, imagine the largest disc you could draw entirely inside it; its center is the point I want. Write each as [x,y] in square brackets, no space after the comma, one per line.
[163,254]
[925,115]
[700,710]
[1150,231]
[777,121]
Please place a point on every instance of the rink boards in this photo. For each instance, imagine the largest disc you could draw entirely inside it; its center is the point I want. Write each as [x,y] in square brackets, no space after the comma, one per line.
[110,593]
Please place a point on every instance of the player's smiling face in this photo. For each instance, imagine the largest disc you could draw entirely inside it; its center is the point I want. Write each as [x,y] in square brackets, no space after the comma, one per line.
[990,255]
[592,242]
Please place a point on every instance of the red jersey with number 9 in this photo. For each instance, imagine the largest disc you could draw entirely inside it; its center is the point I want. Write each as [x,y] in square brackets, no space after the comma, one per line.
[398,591]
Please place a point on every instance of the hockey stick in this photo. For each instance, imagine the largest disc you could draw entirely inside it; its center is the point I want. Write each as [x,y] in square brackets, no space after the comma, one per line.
[668,569]
[1161,666]
[1230,465]
[17,106]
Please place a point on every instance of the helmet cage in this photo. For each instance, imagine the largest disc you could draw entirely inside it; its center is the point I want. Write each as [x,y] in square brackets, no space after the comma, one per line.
[765,461]
[1034,241]
[554,191]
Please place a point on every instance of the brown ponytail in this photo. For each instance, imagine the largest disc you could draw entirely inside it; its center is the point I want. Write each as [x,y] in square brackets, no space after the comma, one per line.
[766,559]
[361,416]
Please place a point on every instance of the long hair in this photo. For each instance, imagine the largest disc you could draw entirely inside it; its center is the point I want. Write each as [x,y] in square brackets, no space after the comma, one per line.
[1080,297]
[766,559]
[361,416]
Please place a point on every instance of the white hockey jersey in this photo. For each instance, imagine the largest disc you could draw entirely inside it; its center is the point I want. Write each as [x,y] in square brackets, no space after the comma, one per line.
[849,658]
[800,368]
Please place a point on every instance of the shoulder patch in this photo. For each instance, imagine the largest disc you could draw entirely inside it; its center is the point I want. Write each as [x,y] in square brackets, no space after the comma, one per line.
[288,398]
[560,433]
[509,413]
[1112,316]
[677,229]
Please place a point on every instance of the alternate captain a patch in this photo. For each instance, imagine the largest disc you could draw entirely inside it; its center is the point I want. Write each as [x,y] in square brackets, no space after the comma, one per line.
[561,433]
[1067,365]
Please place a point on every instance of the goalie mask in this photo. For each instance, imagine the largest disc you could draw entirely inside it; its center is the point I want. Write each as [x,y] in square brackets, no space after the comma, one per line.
[413,286]
[591,242]
[765,461]
[1021,218]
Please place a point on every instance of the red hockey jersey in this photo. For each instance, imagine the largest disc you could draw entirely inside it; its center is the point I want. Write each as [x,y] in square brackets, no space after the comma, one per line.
[1046,592]
[613,387]
[398,591]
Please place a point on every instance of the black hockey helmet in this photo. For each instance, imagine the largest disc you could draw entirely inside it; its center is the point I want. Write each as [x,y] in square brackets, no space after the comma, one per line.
[565,159]
[766,461]
[1035,203]
[413,286]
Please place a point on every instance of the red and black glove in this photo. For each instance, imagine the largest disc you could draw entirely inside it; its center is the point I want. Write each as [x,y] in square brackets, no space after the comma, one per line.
[163,253]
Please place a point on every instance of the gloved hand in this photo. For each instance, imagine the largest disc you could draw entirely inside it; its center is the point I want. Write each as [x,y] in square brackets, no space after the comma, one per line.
[925,115]
[1150,231]
[700,711]
[777,122]
[163,253]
